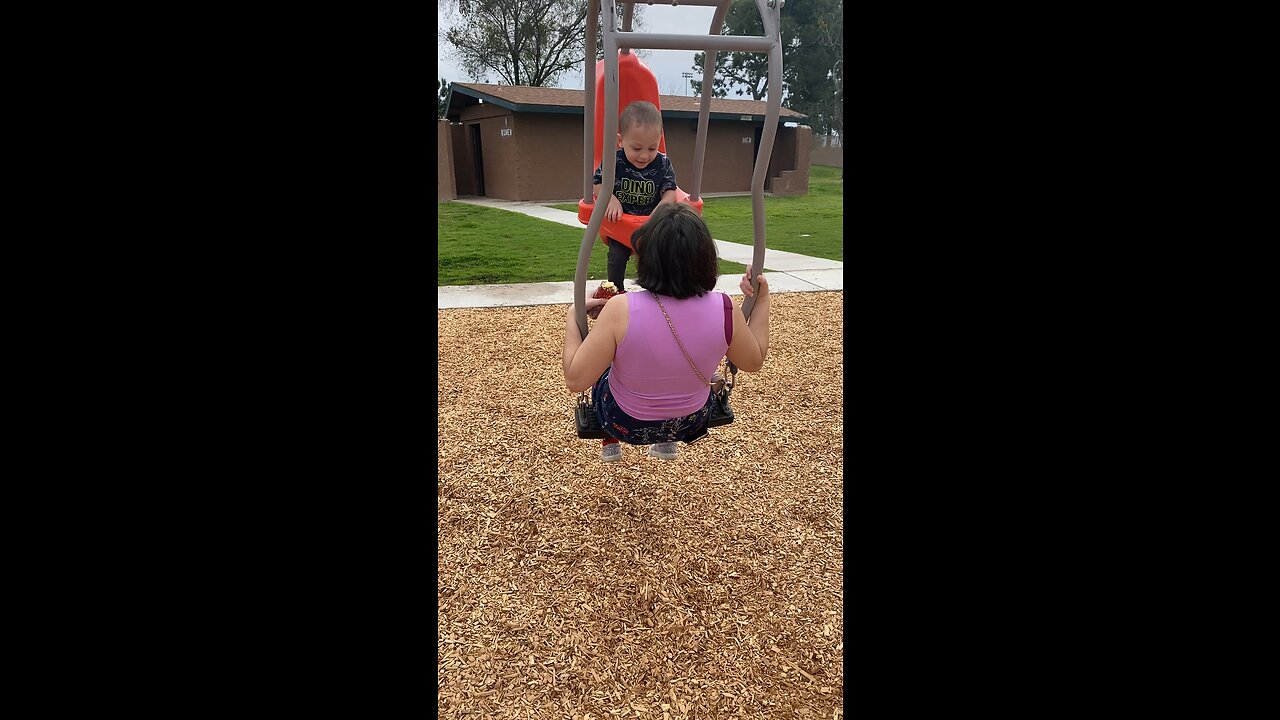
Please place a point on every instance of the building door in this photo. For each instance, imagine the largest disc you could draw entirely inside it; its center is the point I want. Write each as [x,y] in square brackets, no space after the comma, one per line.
[475,153]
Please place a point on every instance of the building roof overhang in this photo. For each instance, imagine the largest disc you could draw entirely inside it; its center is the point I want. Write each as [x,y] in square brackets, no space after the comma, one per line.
[561,101]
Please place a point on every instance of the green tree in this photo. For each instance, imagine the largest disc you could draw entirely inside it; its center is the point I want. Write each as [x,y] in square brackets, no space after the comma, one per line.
[812,60]
[444,96]
[523,42]
[816,85]
[741,72]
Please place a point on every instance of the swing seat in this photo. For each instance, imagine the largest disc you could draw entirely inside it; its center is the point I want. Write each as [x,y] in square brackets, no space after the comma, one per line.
[635,82]
[622,228]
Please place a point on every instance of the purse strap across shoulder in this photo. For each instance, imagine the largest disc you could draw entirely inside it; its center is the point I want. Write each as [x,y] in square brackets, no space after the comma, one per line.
[701,377]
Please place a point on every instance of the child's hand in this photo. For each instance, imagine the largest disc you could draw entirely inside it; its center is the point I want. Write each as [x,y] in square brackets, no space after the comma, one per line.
[614,212]
[594,306]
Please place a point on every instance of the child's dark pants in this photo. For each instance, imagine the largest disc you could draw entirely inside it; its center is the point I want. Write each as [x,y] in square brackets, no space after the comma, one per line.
[616,264]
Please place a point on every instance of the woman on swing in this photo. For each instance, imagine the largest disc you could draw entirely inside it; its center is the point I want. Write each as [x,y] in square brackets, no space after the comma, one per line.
[652,353]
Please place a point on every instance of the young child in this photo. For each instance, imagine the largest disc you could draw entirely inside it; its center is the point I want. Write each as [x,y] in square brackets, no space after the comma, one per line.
[643,180]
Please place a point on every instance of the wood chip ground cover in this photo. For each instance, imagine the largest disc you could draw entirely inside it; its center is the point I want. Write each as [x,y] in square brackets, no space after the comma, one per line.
[704,587]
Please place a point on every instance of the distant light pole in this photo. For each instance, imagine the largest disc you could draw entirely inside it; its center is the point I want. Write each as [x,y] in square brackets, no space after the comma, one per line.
[687,76]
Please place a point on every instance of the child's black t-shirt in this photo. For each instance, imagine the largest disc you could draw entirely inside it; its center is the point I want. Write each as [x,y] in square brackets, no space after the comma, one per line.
[640,190]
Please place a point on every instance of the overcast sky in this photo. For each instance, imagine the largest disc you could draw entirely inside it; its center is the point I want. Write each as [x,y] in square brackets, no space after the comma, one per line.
[665,64]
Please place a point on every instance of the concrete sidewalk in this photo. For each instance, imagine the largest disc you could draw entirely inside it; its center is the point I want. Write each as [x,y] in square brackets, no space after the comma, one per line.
[787,272]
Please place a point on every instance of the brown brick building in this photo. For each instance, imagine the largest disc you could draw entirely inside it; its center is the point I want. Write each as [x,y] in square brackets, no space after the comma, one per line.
[525,143]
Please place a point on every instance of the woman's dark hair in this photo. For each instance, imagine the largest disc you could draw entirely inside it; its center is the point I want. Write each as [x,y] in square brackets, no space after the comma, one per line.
[675,255]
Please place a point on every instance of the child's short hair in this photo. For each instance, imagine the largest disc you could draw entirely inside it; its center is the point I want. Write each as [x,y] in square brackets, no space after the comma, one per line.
[639,113]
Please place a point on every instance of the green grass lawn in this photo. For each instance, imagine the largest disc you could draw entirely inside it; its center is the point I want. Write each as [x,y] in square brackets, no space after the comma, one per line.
[819,215]
[487,246]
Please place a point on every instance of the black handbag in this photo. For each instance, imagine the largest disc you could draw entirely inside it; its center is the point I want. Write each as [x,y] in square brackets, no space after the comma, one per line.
[721,413]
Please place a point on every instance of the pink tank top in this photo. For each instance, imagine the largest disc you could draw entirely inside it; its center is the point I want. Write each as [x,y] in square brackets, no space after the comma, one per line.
[651,379]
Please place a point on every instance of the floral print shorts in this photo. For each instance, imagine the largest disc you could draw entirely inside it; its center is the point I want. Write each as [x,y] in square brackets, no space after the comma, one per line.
[616,423]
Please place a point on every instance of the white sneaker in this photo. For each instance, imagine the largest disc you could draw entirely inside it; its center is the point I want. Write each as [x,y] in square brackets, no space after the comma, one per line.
[666,451]
[611,452]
